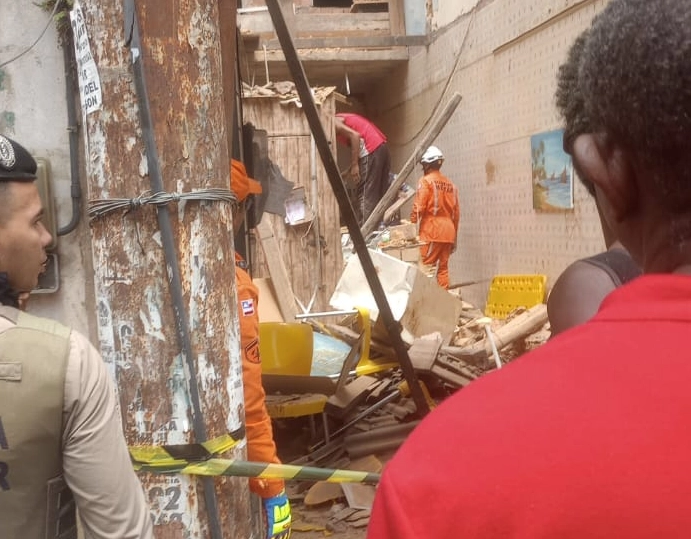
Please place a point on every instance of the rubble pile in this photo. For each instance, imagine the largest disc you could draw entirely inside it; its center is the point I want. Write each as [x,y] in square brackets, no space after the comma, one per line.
[370,415]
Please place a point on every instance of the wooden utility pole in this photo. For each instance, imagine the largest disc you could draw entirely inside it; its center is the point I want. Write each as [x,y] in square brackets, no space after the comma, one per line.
[164,275]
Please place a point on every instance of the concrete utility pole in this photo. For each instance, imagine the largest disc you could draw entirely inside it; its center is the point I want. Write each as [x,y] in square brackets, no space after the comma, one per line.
[164,275]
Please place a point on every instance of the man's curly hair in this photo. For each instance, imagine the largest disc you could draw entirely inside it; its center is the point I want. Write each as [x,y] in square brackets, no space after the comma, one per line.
[569,100]
[635,79]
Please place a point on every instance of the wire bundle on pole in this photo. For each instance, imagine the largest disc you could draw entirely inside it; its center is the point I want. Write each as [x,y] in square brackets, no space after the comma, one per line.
[100,207]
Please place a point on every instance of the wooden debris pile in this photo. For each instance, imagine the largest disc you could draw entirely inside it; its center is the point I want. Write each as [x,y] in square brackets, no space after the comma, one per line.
[286,92]
[400,241]
[371,415]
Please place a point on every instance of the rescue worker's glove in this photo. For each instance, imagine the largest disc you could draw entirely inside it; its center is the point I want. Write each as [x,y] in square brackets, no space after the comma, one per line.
[278,518]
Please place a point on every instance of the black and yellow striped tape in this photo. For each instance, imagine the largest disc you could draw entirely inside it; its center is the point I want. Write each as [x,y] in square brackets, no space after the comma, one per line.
[263,470]
[200,459]
[167,455]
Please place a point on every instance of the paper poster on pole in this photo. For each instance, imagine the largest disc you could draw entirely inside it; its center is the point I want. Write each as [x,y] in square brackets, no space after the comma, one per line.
[89,82]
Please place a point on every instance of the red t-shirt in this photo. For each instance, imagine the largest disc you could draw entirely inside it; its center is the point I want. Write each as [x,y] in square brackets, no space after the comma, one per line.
[369,132]
[588,436]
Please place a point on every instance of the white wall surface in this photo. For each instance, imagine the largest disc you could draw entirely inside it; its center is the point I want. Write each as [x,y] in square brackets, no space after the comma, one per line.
[444,12]
[503,58]
[33,111]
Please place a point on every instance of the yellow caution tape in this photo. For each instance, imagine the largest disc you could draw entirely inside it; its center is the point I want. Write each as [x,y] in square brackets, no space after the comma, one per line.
[241,468]
[172,455]
[200,459]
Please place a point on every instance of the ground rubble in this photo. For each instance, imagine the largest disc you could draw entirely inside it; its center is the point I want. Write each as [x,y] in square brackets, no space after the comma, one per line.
[372,414]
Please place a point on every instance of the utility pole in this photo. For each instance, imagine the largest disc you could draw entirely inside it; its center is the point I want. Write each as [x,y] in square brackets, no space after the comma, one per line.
[165,274]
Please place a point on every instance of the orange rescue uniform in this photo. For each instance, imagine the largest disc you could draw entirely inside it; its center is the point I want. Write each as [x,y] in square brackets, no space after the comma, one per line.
[437,211]
[260,440]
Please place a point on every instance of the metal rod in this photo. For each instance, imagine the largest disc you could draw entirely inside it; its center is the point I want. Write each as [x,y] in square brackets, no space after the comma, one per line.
[326,313]
[310,109]
[379,404]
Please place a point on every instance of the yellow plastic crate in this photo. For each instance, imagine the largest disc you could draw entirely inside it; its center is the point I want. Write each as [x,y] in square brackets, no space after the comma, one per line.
[508,292]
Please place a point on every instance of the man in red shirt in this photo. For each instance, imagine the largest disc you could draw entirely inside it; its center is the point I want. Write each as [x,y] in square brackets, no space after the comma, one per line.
[587,436]
[370,161]
[436,210]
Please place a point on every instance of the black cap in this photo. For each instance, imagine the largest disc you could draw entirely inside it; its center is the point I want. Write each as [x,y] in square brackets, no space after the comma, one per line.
[16,163]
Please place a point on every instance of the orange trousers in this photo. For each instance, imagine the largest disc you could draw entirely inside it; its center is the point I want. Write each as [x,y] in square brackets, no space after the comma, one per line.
[438,253]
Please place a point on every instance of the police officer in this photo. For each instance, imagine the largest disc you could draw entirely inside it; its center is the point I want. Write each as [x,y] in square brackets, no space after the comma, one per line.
[436,210]
[61,440]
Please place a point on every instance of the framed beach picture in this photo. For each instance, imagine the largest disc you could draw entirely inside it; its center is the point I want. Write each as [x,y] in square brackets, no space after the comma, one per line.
[552,172]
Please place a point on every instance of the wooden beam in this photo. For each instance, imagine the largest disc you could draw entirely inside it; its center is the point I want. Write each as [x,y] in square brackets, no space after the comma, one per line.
[352,42]
[321,24]
[399,54]
[277,270]
[396,18]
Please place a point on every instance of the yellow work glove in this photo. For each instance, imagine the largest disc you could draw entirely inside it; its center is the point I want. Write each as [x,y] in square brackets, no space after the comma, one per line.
[278,518]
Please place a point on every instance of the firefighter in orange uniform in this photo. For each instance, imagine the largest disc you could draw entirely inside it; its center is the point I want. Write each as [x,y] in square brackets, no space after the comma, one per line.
[260,442]
[436,210]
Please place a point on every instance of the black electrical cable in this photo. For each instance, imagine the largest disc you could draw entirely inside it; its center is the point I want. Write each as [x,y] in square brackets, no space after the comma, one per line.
[170,252]
[73,132]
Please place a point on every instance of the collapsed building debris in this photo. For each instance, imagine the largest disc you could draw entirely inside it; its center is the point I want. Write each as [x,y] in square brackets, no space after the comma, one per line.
[368,417]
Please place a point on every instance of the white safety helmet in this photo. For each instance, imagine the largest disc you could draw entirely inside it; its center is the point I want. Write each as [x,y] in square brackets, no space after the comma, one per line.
[431,155]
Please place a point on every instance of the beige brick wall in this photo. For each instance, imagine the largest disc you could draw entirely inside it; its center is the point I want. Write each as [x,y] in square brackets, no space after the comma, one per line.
[506,75]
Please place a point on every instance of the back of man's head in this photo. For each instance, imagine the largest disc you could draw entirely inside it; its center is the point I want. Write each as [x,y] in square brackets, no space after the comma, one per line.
[635,78]
[568,97]
[569,101]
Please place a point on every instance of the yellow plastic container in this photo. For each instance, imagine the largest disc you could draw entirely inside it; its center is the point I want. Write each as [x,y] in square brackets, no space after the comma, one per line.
[509,292]
[286,348]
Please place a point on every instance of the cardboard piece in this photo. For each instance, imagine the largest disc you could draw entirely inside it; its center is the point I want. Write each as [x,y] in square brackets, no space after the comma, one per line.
[418,303]
[403,232]
[268,306]
[322,492]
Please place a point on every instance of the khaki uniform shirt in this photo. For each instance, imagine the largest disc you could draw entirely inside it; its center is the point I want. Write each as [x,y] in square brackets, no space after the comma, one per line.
[96,463]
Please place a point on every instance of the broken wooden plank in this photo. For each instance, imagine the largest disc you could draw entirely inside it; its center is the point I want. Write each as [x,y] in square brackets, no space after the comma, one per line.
[277,269]
[424,350]
[320,25]
[521,326]
[360,523]
[362,513]
[342,514]
[402,199]
[322,492]
[349,396]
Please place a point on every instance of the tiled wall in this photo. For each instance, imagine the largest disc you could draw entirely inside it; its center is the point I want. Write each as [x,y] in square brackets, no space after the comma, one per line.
[506,76]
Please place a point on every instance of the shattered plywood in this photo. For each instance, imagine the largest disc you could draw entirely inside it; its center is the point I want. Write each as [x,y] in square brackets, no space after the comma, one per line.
[311,251]
[417,302]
